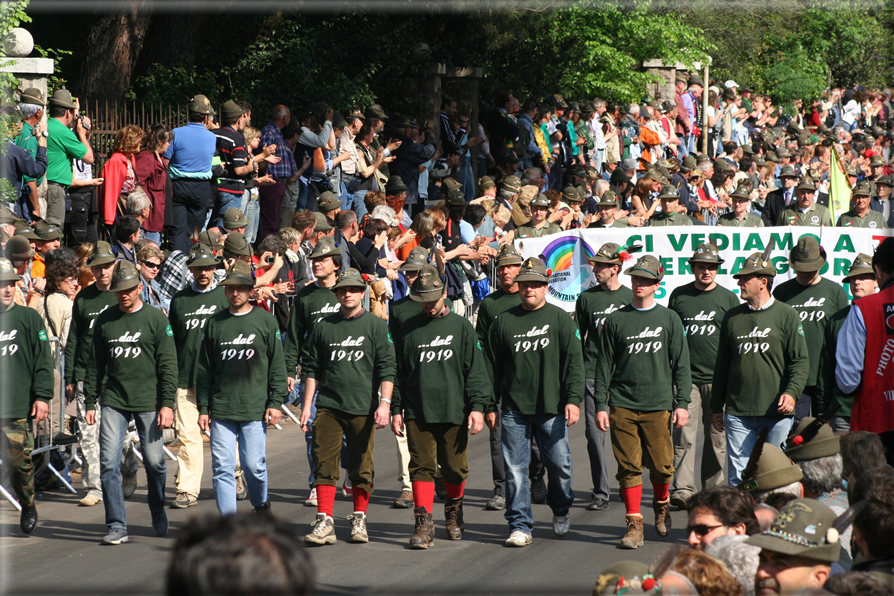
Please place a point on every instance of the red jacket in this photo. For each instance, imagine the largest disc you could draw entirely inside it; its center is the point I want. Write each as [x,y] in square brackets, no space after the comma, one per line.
[114,173]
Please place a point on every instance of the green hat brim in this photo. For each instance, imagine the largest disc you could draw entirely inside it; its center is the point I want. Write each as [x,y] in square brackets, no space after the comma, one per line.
[762,271]
[634,272]
[857,272]
[203,261]
[706,260]
[349,283]
[239,223]
[411,266]
[530,277]
[826,552]
[510,260]
[330,206]
[10,276]
[51,236]
[237,280]
[815,449]
[427,295]
[604,260]
[101,260]
[125,284]
[806,266]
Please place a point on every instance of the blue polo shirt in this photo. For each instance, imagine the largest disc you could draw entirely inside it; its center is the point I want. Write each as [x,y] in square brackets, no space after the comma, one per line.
[191,151]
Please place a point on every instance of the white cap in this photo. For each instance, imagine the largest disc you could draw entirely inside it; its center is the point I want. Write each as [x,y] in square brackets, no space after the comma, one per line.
[731,84]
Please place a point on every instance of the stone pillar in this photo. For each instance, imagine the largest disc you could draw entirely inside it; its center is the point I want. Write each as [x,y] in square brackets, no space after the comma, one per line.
[665,88]
[30,72]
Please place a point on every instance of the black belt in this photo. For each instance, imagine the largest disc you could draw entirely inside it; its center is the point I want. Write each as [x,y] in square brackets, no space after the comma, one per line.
[57,184]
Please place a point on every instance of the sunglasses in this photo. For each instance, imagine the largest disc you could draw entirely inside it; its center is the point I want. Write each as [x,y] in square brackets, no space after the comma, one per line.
[701,529]
[151,265]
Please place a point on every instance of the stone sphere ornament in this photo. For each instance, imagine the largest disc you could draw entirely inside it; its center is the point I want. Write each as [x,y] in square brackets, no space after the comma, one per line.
[18,43]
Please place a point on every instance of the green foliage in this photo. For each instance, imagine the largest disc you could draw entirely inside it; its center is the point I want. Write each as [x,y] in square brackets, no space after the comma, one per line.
[179,82]
[54,81]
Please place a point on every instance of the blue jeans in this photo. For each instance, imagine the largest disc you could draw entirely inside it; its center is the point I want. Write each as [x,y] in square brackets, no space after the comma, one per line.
[112,430]
[466,178]
[252,439]
[741,435]
[224,201]
[252,211]
[153,236]
[359,206]
[552,436]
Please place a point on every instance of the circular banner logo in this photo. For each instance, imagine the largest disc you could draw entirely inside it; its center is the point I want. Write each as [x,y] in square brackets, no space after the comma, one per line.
[571,274]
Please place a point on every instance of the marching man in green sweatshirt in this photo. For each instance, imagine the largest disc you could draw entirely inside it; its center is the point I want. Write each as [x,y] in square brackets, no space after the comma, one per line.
[441,394]
[240,387]
[135,369]
[762,366]
[350,358]
[26,387]
[535,363]
[643,357]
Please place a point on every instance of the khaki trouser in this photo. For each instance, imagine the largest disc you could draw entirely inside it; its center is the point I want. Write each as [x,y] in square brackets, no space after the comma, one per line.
[403,463]
[713,451]
[55,213]
[359,432]
[433,444]
[190,457]
[642,439]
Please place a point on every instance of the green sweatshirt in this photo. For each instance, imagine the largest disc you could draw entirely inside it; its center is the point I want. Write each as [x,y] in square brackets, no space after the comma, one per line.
[762,354]
[26,366]
[441,373]
[241,367]
[349,358]
[535,360]
[702,313]
[642,356]
[135,358]
[87,305]
[493,305]
[190,311]
[592,308]
[405,309]
[827,388]
[815,305]
[311,304]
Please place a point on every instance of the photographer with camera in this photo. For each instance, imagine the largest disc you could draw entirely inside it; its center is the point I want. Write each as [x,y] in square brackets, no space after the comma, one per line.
[63,145]
[33,108]
[17,162]
[416,146]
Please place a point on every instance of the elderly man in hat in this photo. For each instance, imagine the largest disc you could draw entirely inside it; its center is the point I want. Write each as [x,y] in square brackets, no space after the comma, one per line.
[762,366]
[539,225]
[312,303]
[240,386]
[189,156]
[508,264]
[90,302]
[18,164]
[175,275]
[816,300]
[191,308]
[349,356]
[773,473]
[798,550]
[25,389]
[861,282]
[643,354]
[860,215]
[441,395]
[780,198]
[536,365]
[63,145]
[32,139]
[741,215]
[669,215]
[283,172]
[134,363]
[50,239]
[608,212]
[591,310]
[701,305]
[805,211]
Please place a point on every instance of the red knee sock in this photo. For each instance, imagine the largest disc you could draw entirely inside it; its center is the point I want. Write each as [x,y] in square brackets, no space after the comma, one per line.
[632,497]
[325,498]
[662,492]
[424,495]
[455,491]
[361,500]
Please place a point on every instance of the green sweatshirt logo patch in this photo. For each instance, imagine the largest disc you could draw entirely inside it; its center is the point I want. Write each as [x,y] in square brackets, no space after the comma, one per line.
[278,336]
[390,341]
[169,331]
[480,346]
[576,333]
[801,329]
[42,335]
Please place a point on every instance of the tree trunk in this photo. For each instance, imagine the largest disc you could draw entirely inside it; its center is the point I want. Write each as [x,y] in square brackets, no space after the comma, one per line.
[113,45]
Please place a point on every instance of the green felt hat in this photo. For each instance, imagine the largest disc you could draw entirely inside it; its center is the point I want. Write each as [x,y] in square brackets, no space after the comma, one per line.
[325,247]
[7,272]
[124,277]
[417,259]
[807,255]
[18,248]
[322,224]
[648,267]
[803,528]
[349,278]
[801,447]
[508,255]
[706,253]
[236,244]
[609,253]
[211,239]
[755,264]
[533,270]
[774,469]
[102,254]
[201,256]
[328,201]
[32,96]
[229,110]
[428,287]
[46,231]
[239,274]
[861,266]
[62,99]
[234,218]
[200,105]
[25,231]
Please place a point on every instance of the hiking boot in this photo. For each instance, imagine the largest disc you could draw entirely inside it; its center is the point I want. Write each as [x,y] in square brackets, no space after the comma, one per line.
[519,538]
[183,501]
[116,535]
[128,485]
[561,524]
[404,501]
[160,522]
[597,504]
[90,500]
[311,498]
[28,519]
[425,529]
[347,489]
[634,536]
[538,491]
[264,509]
[680,500]
[453,514]
[441,488]
[358,527]
[496,503]
[662,517]
[323,530]
[241,488]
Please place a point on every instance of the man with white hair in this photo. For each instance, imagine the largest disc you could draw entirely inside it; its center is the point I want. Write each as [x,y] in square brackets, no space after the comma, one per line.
[32,106]
[138,205]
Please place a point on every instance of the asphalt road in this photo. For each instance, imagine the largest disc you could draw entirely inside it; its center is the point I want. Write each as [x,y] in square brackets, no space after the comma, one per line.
[64,554]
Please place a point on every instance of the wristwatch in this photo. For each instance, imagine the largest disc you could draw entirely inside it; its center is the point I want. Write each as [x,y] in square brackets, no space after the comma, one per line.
[387,400]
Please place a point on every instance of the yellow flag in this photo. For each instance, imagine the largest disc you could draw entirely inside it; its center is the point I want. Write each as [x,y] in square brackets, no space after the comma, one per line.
[839,187]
